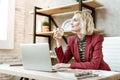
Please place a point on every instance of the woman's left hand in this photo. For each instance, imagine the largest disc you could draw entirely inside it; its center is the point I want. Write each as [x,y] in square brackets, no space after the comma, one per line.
[61,65]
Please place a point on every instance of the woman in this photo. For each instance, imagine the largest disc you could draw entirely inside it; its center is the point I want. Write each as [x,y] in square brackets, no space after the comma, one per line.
[85,47]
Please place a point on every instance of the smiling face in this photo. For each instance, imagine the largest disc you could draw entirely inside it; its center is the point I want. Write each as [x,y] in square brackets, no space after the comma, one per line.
[75,23]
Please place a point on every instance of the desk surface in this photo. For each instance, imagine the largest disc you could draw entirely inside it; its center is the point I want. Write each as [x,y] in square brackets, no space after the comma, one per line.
[19,71]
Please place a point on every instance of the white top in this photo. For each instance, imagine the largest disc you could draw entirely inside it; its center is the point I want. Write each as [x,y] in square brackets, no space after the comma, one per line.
[19,71]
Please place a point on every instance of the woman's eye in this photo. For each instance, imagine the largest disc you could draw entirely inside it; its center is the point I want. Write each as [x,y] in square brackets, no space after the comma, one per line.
[75,19]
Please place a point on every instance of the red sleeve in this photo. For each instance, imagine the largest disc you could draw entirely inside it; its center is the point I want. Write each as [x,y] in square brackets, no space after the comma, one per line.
[96,55]
[64,56]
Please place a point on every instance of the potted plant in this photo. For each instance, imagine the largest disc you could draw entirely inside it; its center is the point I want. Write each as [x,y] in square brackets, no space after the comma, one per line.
[45,26]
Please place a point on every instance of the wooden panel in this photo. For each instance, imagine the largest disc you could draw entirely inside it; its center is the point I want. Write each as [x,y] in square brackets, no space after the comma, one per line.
[66,33]
[51,33]
[93,4]
[59,9]
[68,8]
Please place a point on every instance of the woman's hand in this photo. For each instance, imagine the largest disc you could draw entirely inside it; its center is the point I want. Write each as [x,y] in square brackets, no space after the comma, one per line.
[61,65]
[58,33]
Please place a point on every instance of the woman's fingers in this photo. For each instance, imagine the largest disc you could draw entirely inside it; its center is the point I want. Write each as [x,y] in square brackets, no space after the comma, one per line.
[56,66]
[58,32]
[61,65]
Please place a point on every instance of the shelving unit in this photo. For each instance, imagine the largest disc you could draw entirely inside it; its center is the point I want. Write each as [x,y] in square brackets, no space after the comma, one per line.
[89,4]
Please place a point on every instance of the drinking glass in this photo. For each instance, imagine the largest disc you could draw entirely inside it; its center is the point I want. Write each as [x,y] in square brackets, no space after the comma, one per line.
[59,32]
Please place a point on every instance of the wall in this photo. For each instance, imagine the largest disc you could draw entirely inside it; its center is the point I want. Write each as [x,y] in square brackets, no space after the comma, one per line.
[11,56]
[107,19]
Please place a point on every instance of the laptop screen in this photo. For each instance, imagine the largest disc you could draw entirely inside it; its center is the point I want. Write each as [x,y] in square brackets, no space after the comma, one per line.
[36,56]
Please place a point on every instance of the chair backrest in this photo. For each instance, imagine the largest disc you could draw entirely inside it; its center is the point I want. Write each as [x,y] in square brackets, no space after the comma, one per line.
[111,52]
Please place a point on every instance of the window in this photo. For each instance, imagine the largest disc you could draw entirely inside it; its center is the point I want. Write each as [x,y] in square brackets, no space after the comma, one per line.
[3,19]
[7,11]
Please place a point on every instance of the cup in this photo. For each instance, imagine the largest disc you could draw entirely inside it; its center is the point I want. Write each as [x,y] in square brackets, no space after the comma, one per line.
[59,32]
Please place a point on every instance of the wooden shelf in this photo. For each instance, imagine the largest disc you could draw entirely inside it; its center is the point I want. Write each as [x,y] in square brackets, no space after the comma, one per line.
[51,33]
[66,33]
[68,8]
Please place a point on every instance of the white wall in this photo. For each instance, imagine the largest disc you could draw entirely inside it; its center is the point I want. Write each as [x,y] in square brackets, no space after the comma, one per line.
[108,18]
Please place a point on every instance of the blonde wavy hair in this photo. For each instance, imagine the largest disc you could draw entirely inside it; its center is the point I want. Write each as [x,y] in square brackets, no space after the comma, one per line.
[86,22]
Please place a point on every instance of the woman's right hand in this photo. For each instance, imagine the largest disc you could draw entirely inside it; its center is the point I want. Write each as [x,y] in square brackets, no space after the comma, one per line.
[58,33]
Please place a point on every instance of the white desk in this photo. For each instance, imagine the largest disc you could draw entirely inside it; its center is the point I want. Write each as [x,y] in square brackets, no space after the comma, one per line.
[19,71]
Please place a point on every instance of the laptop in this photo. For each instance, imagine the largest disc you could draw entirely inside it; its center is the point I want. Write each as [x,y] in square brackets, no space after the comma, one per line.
[36,57]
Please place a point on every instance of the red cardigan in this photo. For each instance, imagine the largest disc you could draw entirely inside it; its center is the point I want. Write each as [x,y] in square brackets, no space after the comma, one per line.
[93,53]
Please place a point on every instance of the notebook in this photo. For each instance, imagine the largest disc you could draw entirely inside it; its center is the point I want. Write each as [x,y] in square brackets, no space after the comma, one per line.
[36,57]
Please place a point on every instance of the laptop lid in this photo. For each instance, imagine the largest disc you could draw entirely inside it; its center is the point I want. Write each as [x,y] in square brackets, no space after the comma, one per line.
[36,56]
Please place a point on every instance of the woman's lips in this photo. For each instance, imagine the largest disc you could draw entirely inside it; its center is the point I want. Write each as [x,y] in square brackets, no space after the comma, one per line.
[72,26]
